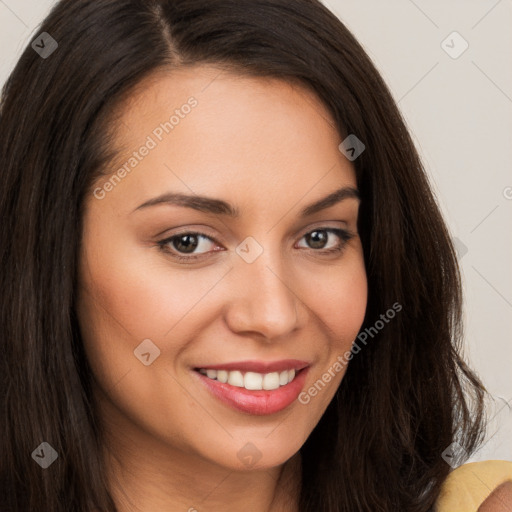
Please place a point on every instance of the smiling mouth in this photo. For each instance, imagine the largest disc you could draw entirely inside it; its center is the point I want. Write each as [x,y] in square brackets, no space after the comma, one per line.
[251,381]
[255,387]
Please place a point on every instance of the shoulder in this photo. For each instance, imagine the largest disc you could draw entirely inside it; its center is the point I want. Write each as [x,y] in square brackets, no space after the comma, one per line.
[467,487]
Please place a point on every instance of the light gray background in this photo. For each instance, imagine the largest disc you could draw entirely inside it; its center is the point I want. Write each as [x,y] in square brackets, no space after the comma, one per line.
[459,111]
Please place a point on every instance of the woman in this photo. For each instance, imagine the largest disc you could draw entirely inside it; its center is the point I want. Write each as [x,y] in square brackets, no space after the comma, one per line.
[226,280]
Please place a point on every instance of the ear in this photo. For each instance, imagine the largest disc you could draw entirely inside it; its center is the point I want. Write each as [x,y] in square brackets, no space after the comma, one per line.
[500,500]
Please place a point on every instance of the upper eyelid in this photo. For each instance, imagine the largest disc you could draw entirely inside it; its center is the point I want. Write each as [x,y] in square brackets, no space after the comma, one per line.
[317,225]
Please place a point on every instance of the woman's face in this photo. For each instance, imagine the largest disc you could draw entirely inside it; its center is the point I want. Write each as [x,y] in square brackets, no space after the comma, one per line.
[258,293]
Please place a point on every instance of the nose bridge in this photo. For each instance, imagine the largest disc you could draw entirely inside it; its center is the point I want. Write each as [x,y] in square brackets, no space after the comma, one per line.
[266,302]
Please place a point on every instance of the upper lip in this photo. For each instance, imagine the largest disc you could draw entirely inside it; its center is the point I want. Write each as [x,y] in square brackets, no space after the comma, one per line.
[258,366]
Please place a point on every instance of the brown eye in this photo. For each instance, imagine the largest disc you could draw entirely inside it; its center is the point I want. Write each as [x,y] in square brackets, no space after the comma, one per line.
[190,246]
[185,243]
[193,244]
[319,239]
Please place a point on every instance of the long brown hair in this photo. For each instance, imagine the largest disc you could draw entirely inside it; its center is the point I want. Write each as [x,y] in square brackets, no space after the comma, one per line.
[406,396]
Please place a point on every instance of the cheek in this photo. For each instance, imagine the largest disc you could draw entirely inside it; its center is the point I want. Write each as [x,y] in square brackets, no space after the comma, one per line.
[127,295]
[339,305]
[127,301]
[348,318]
[141,293]
[340,301]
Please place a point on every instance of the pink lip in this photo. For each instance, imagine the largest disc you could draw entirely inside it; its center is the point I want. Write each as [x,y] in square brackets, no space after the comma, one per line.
[259,366]
[259,402]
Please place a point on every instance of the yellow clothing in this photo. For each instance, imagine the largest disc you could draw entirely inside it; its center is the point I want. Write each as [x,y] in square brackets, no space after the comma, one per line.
[468,486]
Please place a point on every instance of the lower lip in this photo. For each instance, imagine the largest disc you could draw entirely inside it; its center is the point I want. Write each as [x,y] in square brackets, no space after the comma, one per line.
[260,402]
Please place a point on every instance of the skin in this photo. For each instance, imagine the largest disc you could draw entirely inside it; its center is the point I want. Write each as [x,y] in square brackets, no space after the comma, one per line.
[269,148]
[500,500]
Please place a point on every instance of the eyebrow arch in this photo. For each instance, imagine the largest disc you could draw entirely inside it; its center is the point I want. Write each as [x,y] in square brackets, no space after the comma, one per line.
[220,207]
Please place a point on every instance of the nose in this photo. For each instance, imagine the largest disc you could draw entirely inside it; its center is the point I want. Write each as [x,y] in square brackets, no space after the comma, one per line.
[264,302]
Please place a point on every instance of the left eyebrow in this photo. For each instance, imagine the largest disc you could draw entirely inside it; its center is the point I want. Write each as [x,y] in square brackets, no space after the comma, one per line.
[330,200]
[220,207]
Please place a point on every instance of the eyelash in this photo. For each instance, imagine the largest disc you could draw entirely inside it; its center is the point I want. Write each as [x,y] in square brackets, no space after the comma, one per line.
[343,234]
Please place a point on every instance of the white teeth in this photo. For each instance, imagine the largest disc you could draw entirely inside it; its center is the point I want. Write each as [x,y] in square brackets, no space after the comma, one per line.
[251,380]
[222,375]
[271,381]
[236,379]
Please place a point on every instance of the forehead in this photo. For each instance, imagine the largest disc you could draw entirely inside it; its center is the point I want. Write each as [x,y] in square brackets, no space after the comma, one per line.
[211,83]
[232,98]
[211,131]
